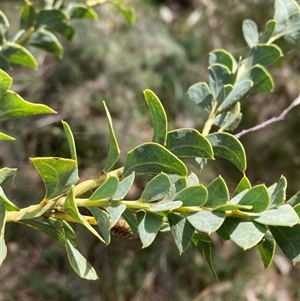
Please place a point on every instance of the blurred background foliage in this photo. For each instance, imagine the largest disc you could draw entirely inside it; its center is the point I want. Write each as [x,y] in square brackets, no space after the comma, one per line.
[166,51]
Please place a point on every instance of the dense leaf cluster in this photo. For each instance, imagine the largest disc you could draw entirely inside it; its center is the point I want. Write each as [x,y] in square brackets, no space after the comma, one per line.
[173,200]
[38,25]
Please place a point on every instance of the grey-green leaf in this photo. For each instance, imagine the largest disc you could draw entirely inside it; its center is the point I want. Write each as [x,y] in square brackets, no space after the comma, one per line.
[227,146]
[257,197]
[28,15]
[72,210]
[293,29]
[4,63]
[250,32]
[81,11]
[158,116]
[152,158]
[294,200]
[5,82]
[244,233]
[192,196]
[148,226]
[71,141]
[206,221]
[18,54]
[47,41]
[240,89]
[283,215]
[201,95]
[297,209]
[114,151]
[268,31]
[218,193]
[157,188]
[3,249]
[102,218]
[192,179]
[12,106]
[106,190]
[50,17]
[266,249]
[280,15]
[219,76]
[182,231]
[203,244]
[188,142]
[127,12]
[53,228]
[261,78]
[264,55]
[79,264]
[223,57]
[244,184]
[229,120]
[124,187]
[6,173]
[291,6]
[131,221]
[288,240]
[237,197]
[180,183]
[278,194]
[115,212]
[224,93]
[55,20]
[58,174]
[3,23]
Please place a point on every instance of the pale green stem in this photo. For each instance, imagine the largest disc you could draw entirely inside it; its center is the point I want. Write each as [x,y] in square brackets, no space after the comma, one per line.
[276,37]
[208,124]
[92,3]
[29,212]
[136,205]
[240,214]
[64,216]
[45,206]
[95,182]
[99,203]
[23,38]
[54,207]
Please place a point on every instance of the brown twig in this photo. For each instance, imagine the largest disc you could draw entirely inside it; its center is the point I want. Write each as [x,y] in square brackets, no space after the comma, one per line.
[272,120]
